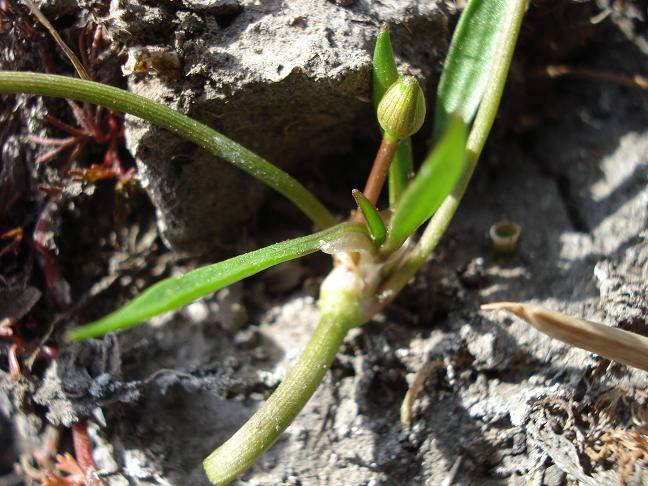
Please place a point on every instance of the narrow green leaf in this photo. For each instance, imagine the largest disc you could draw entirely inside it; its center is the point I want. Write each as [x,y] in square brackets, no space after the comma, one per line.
[374,222]
[177,123]
[175,292]
[469,61]
[384,65]
[384,75]
[432,184]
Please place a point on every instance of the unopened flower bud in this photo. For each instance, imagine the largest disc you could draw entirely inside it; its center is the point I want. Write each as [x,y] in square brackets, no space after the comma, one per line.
[401,112]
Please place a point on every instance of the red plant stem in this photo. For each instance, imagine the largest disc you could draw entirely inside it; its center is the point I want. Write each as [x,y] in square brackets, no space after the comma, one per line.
[49,351]
[378,174]
[62,142]
[83,446]
[81,44]
[64,126]
[47,223]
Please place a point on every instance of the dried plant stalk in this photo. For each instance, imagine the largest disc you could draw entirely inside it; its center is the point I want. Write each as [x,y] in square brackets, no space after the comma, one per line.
[634,81]
[83,74]
[417,384]
[615,344]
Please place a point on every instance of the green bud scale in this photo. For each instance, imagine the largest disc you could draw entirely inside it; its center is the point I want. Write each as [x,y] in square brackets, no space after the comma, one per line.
[401,112]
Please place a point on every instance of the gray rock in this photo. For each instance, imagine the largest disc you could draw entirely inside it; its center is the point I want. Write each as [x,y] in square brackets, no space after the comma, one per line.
[83,377]
[213,6]
[289,80]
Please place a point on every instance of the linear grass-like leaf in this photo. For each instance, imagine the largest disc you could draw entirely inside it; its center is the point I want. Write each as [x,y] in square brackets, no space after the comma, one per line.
[175,122]
[432,184]
[384,75]
[374,222]
[468,64]
[175,292]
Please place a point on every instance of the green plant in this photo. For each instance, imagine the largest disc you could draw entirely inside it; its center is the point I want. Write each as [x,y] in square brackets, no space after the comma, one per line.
[376,253]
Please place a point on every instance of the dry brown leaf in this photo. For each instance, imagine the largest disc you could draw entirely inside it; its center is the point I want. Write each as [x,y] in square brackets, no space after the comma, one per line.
[615,344]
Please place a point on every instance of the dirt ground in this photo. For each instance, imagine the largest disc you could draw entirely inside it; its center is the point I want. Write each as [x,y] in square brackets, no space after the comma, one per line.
[502,404]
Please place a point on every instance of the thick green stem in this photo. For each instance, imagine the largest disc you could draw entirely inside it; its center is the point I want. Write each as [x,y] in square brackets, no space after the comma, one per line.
[474,145]
[177,123]
[339,303]
[269,422]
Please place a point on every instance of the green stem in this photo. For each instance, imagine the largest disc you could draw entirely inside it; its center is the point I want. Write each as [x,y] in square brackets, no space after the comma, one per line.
[474,145]
[177,123]
[400,171]
[341,300]
[339,314]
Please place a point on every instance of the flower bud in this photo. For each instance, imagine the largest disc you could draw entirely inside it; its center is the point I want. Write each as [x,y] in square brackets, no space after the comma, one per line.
[401,111]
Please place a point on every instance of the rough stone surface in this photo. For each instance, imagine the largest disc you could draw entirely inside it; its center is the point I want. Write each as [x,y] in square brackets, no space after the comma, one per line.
[289,80]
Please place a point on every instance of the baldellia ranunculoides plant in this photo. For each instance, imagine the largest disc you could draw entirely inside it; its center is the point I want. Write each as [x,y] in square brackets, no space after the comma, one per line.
[376,252]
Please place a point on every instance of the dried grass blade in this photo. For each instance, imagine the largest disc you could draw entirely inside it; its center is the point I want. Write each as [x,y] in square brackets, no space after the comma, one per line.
[615,344]
[412,391]
[83,74]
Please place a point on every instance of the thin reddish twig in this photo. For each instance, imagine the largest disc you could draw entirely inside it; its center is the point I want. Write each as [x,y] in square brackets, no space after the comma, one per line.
[83,446]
